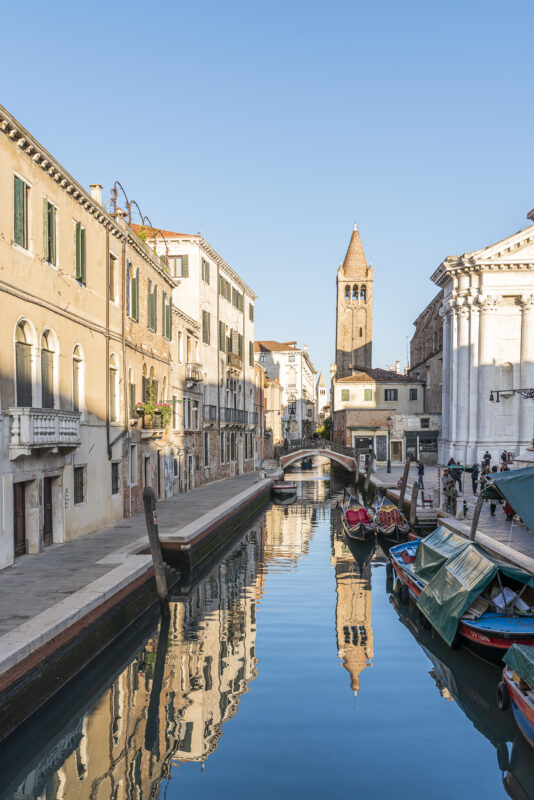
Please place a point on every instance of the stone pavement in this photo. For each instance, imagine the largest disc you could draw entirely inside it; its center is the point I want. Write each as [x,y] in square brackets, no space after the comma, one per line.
[37,582]
[512,535]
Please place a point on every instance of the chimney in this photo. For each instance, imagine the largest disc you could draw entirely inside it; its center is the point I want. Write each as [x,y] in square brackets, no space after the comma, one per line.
[96,192]
[397,367]
[305,348]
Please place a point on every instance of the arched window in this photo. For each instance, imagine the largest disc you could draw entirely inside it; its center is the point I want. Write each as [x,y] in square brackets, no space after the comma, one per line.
[47,370]
[113,389]
[292,404]
[347,293]
[232,447]
[355,292]
[363,293]
[507,376]
[361,331]
[77,379]
[23,370]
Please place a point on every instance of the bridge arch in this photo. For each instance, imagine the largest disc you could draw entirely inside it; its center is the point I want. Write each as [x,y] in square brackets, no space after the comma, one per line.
[347,462]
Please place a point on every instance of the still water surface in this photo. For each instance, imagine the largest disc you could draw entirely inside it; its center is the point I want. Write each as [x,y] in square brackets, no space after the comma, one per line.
[287,671]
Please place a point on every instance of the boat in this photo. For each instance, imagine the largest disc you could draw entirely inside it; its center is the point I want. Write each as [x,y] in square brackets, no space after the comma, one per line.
[306,463]
[357,521]
[284,488]
[391,524]
[465,594]
[517,688]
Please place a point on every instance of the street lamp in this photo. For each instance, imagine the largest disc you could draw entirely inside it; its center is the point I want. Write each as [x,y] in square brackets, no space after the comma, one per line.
[388,468]
[526,394]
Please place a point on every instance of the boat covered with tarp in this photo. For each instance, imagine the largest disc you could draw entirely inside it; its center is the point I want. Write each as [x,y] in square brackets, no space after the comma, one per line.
[467,596]
[357,521]
[518,687]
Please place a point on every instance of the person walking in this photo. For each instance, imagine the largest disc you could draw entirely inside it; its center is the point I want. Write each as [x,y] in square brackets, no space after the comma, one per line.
[493,501]
[475,472]
[487,459]
[456,474]
[286,445]
[504,459]
[420,474]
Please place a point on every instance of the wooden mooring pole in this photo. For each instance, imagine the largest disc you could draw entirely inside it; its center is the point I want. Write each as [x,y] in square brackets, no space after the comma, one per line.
[151,518]
[368,472]
[404,482]
[476,515]
[413,505]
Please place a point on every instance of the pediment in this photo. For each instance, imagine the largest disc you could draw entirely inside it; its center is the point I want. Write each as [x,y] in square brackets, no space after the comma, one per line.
[518,248]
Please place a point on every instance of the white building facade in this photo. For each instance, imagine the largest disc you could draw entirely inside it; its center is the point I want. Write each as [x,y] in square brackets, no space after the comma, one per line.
[488,345]
[292,367]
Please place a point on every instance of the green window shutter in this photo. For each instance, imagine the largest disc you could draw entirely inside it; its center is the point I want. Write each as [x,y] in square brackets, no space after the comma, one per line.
[46,249]
[185,266]
[163,315]
[83,254]
[137,295]
[51,234]
[235,342]
[149,304]
[368,394]
[169,322]
[251,353]
[78,250]
[344,395]
[239,345]
[47,379]
[222,337]
[19,226]
[207,271]
[129,293]
[155,308]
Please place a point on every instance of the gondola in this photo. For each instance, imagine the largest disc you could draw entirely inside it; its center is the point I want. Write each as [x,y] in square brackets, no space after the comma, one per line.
[391,524]
[468,597]
[357,521]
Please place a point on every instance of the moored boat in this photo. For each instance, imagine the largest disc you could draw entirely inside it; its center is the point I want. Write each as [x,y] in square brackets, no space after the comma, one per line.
[306,463]
[357,521]
[466,595]
[284,488]
[391,524]
[517,687]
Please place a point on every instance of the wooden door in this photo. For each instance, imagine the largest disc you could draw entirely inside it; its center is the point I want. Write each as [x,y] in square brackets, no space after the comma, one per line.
[48,532]
[19,515]
[396,451]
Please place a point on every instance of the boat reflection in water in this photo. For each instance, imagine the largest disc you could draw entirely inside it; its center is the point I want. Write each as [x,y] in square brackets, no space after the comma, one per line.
[472,684]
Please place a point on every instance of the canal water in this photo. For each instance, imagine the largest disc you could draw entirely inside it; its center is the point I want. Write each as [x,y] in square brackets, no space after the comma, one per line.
[288,670]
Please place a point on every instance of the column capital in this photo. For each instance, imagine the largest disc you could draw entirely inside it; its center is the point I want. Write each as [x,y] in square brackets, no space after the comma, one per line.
[526,302]
[488,303]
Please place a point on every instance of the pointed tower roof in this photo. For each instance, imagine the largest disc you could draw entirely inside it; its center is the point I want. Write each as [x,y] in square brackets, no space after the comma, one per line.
[320,380]
[355,265]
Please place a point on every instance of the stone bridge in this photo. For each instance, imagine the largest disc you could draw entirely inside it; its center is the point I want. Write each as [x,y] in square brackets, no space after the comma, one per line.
[340,454]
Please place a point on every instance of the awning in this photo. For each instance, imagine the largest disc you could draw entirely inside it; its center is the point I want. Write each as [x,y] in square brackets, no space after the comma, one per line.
[520,658]
[517,486]
[435,550]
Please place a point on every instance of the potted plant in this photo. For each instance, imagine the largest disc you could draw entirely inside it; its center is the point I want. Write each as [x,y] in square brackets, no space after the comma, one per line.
[147,408]
[166,413]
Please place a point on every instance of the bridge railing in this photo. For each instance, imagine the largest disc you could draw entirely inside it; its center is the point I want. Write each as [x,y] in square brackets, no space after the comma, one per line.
[313,444]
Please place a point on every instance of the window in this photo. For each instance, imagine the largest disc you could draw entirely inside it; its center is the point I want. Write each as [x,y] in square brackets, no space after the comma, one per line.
[345,395]
[222,447]
[507,376]
[237,299]
[291,359]
[361,332]
[240,345]
[368,395]
[179,266]
[425,422]
[77,387]
[363,294]
[262,357]
[355,292]
[413,394]
[79,253]
[20,224]
[49,231]
[152,297]
[47,370]
[23,358]
[194,422]
[205,271]
[180,347]
[166,315]
[176,467]
[292,404]
[222,337]
[115,473]
[113,376]
[131,395]
[206,327]
[251,354]
[79,485]
[132,291]
[390,394]
[225,289]
[251,312]
[347,293]
[133,465]
[206,449]
[112,277]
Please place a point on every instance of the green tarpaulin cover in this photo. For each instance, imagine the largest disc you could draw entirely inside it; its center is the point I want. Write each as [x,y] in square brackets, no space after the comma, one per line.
[458,583]
[517,485]
[520,658]
[435,550]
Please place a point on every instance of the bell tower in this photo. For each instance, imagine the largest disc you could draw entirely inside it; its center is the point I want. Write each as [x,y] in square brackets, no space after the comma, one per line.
[354,319]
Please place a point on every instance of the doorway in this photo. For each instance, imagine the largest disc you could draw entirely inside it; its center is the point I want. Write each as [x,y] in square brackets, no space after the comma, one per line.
[19,518]
[396,451]
[48,525]
[190,473]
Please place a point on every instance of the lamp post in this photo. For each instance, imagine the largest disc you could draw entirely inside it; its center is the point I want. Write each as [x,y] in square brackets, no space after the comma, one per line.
[388,468]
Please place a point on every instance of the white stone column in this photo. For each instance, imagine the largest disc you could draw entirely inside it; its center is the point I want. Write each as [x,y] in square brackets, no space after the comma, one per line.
[486,374]
[453,371]
[446,376]
[526,407]
[474,326]
[463,364]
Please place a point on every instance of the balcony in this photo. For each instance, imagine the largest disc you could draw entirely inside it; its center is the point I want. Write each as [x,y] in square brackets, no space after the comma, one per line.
[42,429]
[210,413]
[253,418]
[236,415]
[193,372]
[234,361]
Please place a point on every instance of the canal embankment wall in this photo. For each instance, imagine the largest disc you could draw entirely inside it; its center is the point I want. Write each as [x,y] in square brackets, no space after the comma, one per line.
[103,590]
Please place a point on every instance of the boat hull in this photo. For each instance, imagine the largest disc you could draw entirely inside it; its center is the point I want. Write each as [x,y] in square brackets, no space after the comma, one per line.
[522,707]
[284,491]
[359,533]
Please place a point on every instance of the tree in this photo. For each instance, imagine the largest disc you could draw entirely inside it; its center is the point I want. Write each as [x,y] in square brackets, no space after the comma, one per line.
[324,430]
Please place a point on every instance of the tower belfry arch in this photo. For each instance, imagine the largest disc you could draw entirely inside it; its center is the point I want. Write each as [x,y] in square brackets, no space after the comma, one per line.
[354,318]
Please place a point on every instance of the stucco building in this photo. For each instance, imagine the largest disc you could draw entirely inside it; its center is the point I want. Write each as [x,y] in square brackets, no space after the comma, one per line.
[293,369]
[322,398]
[273,410]
[488,345]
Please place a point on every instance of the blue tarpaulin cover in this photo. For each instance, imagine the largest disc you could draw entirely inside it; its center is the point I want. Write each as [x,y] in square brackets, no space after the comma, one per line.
[517,485]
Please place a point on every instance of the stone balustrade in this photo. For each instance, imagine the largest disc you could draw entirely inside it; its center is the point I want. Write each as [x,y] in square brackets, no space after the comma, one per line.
[42,428]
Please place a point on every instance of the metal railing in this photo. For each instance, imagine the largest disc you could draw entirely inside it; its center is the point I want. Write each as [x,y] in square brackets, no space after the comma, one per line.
[237,415]
[234,360]
[193,371]
[314,444]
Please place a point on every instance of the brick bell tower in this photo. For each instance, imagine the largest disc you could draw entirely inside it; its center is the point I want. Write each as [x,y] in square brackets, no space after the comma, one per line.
[354,319]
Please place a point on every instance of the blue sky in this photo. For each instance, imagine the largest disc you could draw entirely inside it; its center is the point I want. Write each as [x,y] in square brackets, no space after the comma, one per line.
[273,127]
